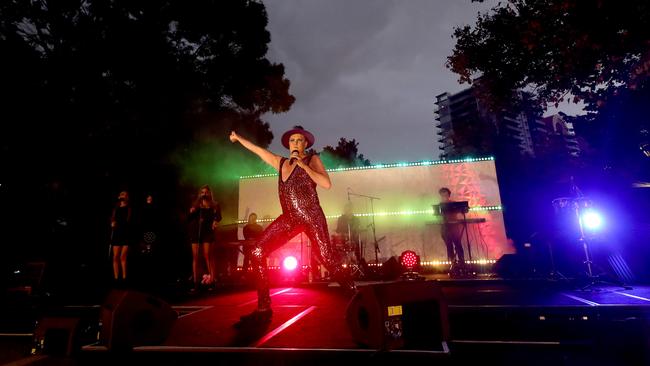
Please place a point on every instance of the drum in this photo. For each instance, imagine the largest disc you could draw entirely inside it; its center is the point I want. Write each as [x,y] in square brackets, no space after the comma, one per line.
[338,240]
[341,243]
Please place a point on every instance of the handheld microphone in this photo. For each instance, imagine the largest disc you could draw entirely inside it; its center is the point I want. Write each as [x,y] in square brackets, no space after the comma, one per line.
[292,157]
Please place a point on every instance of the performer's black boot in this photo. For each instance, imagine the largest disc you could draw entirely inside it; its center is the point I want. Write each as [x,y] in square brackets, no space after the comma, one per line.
[261,315]
[257,317]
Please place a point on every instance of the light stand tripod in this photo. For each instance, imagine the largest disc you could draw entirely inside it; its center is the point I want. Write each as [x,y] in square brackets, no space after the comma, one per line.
[593,279]
[578,204]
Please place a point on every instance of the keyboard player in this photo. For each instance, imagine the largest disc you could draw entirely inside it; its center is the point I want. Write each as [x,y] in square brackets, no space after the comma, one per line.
[451,229]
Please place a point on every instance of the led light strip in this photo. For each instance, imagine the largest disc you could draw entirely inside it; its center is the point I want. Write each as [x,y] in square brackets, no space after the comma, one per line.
[446,263]
[394,213]
[382,166]
[483,262]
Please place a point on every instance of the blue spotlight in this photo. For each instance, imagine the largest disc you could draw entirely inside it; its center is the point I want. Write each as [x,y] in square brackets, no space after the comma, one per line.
[592,220]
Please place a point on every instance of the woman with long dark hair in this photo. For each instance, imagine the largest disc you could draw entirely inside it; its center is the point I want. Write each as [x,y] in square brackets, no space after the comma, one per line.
[205,213]
[121,235]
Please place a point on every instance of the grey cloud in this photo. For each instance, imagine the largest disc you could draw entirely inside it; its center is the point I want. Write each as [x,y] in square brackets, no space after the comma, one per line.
[367,70]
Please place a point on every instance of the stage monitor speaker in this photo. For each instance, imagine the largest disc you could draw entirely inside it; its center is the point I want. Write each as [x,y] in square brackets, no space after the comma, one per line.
[391,269]
[511,266]
[131,318]
[399,315]
[56,336]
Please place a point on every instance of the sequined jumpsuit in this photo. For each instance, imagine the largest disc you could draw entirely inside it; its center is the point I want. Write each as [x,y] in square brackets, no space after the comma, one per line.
[301,212]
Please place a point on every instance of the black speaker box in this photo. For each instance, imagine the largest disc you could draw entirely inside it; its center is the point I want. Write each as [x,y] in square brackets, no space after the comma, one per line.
[131,318]
[511,266]
[391,269]
[56,336]
[400,315]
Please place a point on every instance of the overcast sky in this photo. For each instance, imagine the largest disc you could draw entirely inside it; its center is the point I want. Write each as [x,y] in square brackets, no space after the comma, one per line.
[367,69]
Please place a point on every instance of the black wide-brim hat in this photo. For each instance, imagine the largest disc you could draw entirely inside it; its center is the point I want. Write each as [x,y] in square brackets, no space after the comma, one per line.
[308,135]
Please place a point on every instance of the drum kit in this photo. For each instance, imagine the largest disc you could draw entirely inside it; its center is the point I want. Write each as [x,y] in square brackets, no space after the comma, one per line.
[351,250]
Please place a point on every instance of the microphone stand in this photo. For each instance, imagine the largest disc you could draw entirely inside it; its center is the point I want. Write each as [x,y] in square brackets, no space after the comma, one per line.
[372,212]
[110,243]
[349,228]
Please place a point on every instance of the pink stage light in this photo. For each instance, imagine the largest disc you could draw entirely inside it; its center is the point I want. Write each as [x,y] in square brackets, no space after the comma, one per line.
[290,263]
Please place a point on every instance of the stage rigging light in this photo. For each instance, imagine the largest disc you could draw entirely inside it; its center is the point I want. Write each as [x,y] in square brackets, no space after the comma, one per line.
[592,220]
[290,263]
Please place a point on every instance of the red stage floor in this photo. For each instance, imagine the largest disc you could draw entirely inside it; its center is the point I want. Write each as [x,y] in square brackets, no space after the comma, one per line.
[313,317]
[512,322]
[302,318]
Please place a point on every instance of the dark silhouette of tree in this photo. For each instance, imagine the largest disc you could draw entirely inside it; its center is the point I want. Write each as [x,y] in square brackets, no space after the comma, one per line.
[556,48]
[106,95]
[344,155]
[90,73]
[592,51]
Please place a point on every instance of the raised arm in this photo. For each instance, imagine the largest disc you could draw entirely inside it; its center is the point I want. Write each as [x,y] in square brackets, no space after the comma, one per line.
[268,157]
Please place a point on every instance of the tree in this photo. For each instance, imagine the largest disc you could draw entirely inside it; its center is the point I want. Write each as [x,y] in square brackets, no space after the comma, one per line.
[587,49]
[344,155]
[105,95]
[91,73]
[594,51]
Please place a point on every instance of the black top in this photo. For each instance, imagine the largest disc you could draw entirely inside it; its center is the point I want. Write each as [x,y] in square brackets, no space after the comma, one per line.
[252,231]
[205,216]
[149,218]
[122,217]
[342,225]
[122,229]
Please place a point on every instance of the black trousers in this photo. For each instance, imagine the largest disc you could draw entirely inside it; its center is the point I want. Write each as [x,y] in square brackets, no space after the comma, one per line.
[452,235]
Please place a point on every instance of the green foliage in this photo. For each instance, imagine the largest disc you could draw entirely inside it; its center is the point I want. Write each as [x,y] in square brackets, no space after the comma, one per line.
[594,51]
[131,81]
[554,48]
[99,96]
[344,155]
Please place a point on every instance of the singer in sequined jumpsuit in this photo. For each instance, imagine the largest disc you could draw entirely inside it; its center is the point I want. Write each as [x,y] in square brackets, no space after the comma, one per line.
[301,211]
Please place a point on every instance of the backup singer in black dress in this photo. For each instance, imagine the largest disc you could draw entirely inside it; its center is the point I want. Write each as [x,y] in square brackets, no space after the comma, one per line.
[121,235]
[204,216]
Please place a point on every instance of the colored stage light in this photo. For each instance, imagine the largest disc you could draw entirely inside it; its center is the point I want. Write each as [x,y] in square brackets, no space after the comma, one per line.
[592,220]
[409,260]
[383,166]
[391,213]
[410,263]
[290,263]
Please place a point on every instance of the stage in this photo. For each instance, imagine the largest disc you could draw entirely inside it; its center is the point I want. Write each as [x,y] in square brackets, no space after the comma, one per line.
[522,321]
